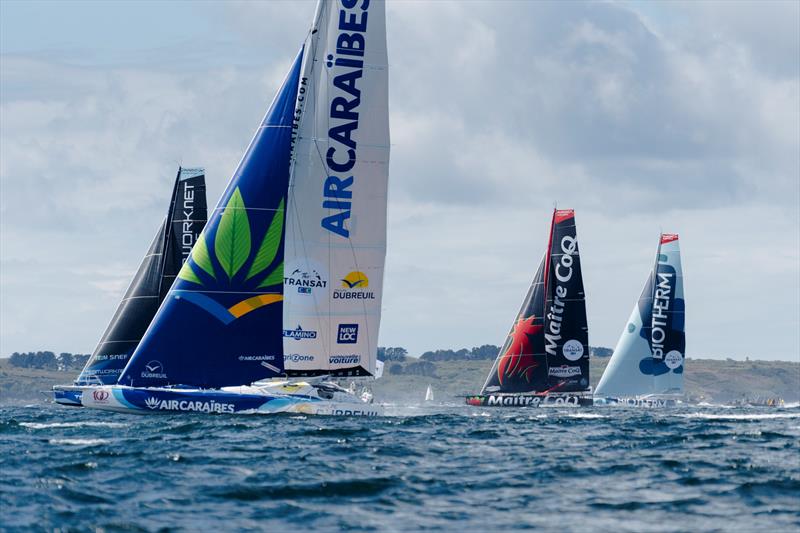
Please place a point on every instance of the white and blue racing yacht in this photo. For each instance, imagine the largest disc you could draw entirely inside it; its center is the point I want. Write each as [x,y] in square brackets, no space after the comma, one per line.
[281,293]
[646,368]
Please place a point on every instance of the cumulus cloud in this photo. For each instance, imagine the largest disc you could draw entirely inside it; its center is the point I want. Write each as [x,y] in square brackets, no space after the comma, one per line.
[684,116]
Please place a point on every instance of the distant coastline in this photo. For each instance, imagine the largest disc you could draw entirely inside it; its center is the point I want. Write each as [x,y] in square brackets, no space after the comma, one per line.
[406,378]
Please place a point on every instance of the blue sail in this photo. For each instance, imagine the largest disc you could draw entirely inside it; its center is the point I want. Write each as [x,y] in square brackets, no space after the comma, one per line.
[222,322]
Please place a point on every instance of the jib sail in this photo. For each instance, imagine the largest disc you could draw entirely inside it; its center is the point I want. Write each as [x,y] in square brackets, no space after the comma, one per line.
[221,322]
[546,349]
[649,356]
[147,288]
[336,212]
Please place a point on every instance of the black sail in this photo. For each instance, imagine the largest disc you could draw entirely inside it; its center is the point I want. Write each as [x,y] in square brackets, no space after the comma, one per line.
[547,347]
[566,333]
[186,219]
[521,365]
[146,290]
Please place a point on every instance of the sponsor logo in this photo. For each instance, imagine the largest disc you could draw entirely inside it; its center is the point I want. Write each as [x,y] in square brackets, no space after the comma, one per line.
[348,334]
[346,63]
[154,370]
[564,371]
[518,362]
[305,281]
[673,359]
[189,405]
[349,359]
[354,287]
[297,358]
[642,402]
[353,412]
[242,264]
[187,226]
[256,358]
[100,396]
[563,272]
[572,350]
[529,401]
[299,333]
[662,298]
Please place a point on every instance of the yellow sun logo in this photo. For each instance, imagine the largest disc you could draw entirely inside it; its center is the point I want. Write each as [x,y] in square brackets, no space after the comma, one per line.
[355,280]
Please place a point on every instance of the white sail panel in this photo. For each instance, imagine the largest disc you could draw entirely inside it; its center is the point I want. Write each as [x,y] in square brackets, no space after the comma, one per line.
[336,213]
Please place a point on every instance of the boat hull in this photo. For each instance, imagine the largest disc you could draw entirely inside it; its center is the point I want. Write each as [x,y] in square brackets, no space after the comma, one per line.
[528,400]
[636,402]
[219,401]
[69,395]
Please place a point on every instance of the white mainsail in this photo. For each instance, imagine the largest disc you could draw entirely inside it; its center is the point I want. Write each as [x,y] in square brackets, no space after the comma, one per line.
[649,356]
[336,212]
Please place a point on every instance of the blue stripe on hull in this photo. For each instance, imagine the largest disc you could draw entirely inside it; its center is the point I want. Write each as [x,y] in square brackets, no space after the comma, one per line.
[200,401]
[67,397]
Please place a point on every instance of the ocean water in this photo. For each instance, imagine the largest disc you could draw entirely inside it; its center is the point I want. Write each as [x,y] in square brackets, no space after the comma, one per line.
[450,468]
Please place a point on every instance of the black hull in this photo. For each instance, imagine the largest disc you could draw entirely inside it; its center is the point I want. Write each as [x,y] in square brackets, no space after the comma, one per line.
[528,400]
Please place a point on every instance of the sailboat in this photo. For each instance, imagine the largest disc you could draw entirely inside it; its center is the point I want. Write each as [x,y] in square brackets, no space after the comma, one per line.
[286,280]
[429,394]
[170,247]
[545,358]
[646,368]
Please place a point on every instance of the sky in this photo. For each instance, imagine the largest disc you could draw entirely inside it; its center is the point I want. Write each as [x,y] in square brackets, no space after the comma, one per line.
[642,116]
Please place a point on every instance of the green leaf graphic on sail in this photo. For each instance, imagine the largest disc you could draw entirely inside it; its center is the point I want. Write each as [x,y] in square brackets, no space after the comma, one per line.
[232,243]
[232,247]
[268,251]
[201,258]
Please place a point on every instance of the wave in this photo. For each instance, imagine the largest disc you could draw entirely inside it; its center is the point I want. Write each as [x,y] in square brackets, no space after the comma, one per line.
[79,442]
[734,416]
[85,424]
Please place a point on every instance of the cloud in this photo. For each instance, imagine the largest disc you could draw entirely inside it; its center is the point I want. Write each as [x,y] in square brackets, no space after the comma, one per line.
[640,116]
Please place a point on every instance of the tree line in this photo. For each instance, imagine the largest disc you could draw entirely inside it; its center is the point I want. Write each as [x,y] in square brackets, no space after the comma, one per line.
[47,360]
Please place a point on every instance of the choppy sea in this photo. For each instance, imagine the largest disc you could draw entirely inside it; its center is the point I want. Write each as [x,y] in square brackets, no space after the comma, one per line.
[452,468]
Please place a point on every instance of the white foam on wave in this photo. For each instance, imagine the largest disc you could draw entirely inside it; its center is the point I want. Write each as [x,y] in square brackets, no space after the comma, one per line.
[586,415]
[78,442]
[38,425]
[732,416]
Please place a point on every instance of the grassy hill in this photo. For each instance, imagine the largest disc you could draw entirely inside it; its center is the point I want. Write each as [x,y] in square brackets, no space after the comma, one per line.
[709,379]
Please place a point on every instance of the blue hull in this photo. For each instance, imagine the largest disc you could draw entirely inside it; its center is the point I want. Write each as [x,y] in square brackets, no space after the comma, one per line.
[70,396]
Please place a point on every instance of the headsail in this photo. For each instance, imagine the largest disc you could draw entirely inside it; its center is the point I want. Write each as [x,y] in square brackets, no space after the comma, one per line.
[336,212]
[547,347]
[650,353]
[187,218]
[221,322]
[146,290]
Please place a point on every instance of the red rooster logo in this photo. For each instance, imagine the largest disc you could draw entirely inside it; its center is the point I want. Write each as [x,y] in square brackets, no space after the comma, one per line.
[518,359]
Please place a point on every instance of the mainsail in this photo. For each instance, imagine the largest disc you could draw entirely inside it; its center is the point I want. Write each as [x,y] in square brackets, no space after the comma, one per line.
[222,321]
[336,210]
[547,347]
[184,222]
[649,356]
